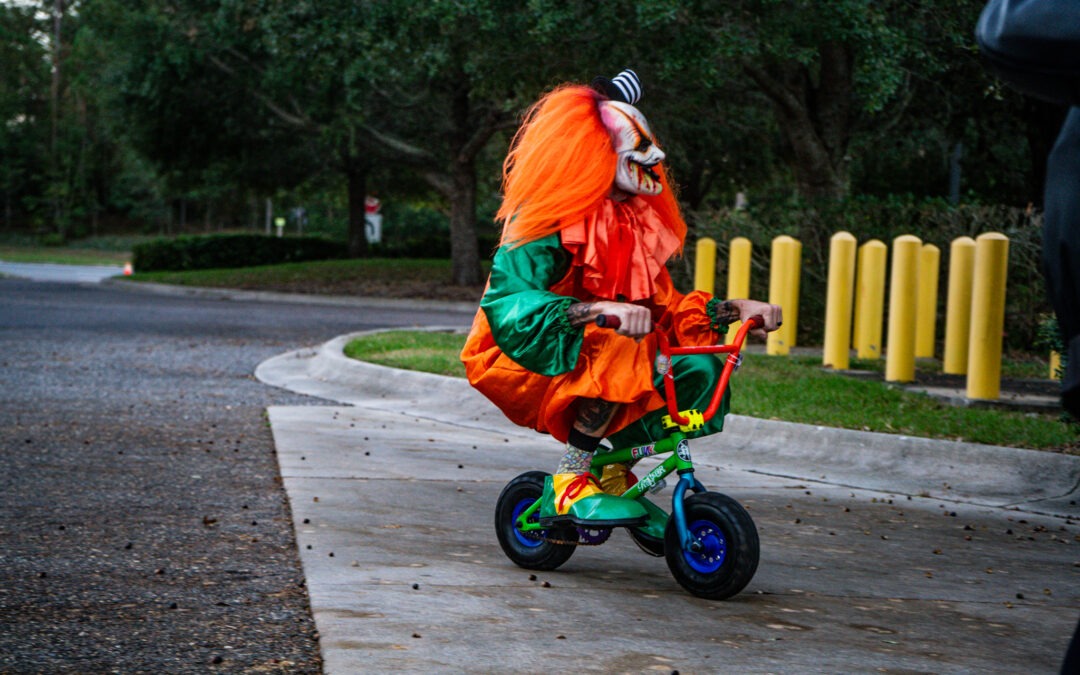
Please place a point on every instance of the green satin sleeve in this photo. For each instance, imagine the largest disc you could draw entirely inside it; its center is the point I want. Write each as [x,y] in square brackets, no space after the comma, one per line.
[528,322]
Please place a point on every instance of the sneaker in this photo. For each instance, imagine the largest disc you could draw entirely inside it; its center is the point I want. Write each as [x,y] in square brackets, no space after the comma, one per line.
[617,479]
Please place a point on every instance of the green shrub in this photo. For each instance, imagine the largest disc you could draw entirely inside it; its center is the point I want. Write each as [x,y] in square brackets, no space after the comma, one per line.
[934,221]
[52,240]
[230,250]
[419,231]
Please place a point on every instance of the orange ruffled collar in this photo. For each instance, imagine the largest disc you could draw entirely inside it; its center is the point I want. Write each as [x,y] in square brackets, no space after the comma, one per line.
[622,248]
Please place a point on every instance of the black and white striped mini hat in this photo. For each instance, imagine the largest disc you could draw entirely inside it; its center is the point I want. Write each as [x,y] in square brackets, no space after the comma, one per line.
[624,87]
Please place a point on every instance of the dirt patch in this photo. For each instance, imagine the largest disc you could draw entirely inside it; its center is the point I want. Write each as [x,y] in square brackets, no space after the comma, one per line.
[1023,387]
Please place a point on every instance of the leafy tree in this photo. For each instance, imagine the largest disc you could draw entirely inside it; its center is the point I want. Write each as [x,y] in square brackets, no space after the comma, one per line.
[219,102]
[23,107]
[461,69]
[365,84]
[714,123]
[829,71]
[195,121]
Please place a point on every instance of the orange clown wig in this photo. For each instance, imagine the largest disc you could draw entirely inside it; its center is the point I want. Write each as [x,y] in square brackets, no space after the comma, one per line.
[562,166]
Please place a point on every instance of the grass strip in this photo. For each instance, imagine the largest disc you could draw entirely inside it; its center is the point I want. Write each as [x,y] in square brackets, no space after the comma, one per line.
[316,271]
[428,352]
[63,256]
[791,389]
[798,389]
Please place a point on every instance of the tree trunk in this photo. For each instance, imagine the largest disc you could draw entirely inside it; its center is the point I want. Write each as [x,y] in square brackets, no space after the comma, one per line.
[814,112]
[464,247]
[208,216]
[468,138]
[695,183]
[54,134]
[356,175]
[816,175]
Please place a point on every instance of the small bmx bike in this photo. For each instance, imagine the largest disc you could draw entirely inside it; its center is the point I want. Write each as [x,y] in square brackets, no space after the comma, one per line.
[709,541]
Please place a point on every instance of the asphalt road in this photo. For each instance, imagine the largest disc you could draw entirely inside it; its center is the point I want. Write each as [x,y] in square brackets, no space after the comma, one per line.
[143,525]
[878,553]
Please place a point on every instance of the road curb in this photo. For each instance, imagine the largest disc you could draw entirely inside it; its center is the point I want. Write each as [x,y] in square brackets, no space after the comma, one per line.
[1027,480]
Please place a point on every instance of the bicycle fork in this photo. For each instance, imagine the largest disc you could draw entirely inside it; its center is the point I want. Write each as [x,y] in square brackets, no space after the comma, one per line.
[687,481]
[681,463]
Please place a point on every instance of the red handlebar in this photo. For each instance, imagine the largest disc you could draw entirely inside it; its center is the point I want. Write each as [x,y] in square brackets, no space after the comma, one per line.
[732,350]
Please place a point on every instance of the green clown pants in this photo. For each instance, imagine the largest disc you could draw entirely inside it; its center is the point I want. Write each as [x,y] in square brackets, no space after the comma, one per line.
[696,376]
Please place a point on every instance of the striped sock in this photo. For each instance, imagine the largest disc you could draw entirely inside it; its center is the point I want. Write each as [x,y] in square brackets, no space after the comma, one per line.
[575,460]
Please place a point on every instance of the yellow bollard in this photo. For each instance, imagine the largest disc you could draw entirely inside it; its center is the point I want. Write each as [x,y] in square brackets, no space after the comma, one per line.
[738,280]
[958,306]
[870,299]
[705,265]
[987,316]
[926,312]
[784,291]
[855,337]
[903,289]
[1055,365]
[837,350]
[791,309]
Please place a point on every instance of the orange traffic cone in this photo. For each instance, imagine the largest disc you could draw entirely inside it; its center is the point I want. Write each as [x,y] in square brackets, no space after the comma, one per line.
[128,271]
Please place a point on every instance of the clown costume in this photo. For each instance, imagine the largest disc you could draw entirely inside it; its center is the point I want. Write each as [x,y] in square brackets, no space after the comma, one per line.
[589,223]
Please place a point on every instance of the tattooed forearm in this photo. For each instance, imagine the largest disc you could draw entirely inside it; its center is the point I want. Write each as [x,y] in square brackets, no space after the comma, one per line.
[726,313]
[594,414]
[578,313]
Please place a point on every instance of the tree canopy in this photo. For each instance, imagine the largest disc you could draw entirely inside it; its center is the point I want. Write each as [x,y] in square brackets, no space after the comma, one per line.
[140,110]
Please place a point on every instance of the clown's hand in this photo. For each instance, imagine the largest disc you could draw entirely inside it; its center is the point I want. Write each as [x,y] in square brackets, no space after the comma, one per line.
[770,314]
[634,321]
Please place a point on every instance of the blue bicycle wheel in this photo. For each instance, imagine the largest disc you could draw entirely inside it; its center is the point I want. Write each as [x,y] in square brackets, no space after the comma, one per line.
[730,549]
[527,539]
[537,550]
[711,558]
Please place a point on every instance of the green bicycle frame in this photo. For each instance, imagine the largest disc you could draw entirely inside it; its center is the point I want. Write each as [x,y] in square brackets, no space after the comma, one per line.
[678,461]
[676,443]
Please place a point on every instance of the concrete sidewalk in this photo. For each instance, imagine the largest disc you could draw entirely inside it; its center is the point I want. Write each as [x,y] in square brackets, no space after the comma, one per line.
[1028,480]
[393,494]
[80,274]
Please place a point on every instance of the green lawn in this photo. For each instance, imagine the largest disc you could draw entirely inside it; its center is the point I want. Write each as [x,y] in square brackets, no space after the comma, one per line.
[792,389]
[798,389]
[321,272]
[63,255]
[101,250]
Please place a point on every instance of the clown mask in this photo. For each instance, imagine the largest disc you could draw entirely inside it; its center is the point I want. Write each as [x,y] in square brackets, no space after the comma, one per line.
[635,147]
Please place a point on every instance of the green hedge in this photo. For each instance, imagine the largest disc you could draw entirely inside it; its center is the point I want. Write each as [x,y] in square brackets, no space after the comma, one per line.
[230,250]
[431,245]
[933,221]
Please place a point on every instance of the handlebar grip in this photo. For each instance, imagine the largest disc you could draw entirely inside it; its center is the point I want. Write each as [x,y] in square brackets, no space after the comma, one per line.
[608,321]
